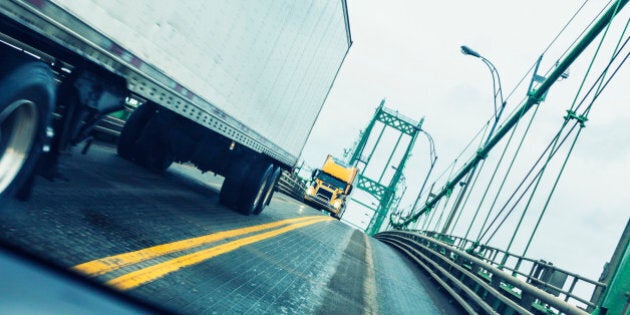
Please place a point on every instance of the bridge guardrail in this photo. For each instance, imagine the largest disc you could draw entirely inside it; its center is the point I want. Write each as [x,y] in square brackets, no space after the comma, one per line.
[541,274]
[110,126]
[477,285]
[292,185]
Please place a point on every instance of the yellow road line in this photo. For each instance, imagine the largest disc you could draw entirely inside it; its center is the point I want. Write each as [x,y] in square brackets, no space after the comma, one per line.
[142,276]
[107,264]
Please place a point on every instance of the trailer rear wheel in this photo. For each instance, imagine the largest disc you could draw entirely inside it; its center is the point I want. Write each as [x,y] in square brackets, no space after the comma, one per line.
[133,128]
[269,189]
[230,190]
[154,154]
[244,185]
[255,188]
[27,96]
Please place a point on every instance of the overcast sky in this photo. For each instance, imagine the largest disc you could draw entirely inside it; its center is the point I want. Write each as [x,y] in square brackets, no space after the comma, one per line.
[408,53]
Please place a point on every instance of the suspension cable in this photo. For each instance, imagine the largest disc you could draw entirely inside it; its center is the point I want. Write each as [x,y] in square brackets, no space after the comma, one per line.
[494,173]
[616,52]
[495,231]
[553,189]
[600,78]
[582,33]
[584,30]
[448,199]
[482,131]
[535,97]
[581,119]
[467,185]
[598,92]
[568,117]
[556,38]
[466,200]
[509,169]
[538,174]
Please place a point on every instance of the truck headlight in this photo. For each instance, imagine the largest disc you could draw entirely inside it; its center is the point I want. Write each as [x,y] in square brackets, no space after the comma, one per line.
[337,204]
[309,191]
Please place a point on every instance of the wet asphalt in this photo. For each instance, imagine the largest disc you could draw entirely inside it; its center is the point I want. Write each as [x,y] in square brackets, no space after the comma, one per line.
[108,206]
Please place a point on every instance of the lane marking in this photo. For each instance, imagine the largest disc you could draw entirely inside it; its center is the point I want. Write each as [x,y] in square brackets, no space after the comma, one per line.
[369,282]
[107,264]
[148,274]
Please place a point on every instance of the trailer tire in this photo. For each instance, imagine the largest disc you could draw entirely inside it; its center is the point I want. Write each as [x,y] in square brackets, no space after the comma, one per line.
[269,189]
[244,184]
[154,155]
[27,98]
[254,187]
[133,128]
[230,190]
[152,149]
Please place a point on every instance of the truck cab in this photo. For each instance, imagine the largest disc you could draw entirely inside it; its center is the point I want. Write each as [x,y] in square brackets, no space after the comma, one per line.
[330,186]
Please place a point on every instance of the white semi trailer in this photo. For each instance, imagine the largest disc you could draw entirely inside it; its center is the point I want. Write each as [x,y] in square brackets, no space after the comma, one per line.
[231,86]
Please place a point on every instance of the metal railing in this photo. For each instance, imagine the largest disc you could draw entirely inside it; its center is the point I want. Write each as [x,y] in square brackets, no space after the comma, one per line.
[292,185]
[540,273]
[477,285]
[110,126]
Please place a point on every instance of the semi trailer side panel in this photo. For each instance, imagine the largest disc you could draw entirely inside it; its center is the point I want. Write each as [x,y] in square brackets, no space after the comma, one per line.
[264,67]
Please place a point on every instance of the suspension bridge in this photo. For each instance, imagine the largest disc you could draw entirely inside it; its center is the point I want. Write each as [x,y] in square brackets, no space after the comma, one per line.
[464,245]
[506,189]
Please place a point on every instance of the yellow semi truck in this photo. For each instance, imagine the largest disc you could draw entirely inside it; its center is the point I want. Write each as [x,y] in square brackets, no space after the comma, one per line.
[330,186]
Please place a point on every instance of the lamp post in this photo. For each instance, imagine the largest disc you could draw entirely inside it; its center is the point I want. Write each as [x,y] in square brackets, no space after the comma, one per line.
[497,94]
[433,158]
[497,91]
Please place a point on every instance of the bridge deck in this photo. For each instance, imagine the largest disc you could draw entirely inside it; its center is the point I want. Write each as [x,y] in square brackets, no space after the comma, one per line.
[164,238]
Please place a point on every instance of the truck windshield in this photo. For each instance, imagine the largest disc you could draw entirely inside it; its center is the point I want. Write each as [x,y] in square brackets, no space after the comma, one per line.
[329,179]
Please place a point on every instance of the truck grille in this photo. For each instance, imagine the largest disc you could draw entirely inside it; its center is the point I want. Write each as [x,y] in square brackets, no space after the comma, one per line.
[325,194]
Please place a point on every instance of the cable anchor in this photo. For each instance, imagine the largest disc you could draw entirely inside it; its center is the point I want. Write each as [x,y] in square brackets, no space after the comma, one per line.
[582,119]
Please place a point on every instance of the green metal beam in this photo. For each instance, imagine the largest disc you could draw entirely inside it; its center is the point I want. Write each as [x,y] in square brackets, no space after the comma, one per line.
[534,98]
[396,123]
[372,187]
[364,204]
[384,193]
[616,298]
[391,155]
[356,155]
[379,217]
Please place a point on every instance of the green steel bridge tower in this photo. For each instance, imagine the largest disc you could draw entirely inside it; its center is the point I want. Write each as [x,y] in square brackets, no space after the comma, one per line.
[384,192]
[474,272]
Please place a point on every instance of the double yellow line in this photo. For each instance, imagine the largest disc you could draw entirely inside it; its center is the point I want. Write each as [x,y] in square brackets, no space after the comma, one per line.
[136,278]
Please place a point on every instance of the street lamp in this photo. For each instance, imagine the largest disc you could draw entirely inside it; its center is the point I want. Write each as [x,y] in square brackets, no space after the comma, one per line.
[467,51]
[497,93]
[496,86]
[432,159]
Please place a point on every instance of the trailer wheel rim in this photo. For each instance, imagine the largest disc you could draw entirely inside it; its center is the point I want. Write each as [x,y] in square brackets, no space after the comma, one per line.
[259,194]
[18,126]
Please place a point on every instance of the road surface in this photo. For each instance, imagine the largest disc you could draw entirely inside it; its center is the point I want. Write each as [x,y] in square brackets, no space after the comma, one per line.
[165,239]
